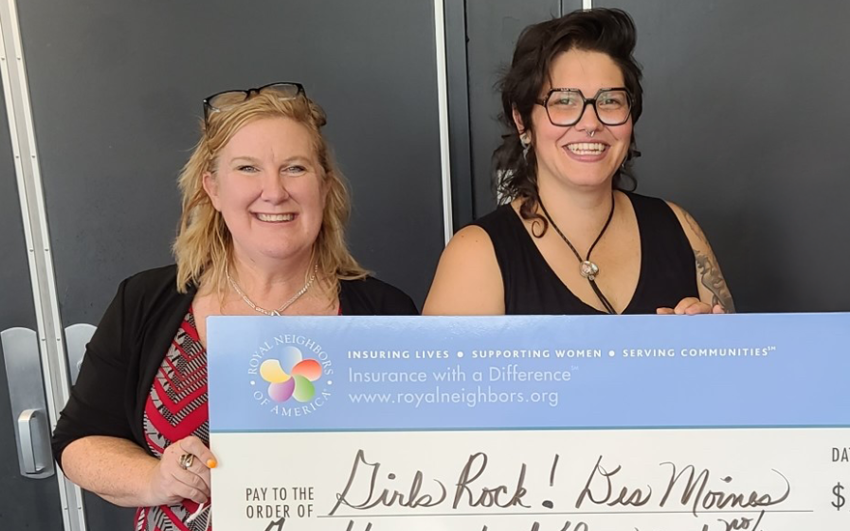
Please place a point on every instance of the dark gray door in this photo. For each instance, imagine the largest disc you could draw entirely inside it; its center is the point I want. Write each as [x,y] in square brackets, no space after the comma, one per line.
[744,125]
[25,503]
[116,94]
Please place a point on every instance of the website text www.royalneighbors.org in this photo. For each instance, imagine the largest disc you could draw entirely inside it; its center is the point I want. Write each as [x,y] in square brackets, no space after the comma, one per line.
[470,398]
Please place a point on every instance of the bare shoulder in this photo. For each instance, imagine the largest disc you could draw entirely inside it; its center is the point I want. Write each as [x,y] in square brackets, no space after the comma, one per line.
[468,280]
[692,229]
[471,239]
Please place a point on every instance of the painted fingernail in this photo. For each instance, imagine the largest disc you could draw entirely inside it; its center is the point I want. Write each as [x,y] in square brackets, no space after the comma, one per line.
[212,463]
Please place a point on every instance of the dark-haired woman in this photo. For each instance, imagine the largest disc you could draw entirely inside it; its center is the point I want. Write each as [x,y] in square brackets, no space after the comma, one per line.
[569,239]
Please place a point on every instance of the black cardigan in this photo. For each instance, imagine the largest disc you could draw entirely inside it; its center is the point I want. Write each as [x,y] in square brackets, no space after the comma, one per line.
[133,337]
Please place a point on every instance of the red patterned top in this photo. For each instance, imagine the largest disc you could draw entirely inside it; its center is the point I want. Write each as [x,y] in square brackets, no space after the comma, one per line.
[177,408]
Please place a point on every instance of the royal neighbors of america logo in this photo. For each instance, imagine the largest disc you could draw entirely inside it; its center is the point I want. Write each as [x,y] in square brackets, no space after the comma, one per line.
[294,375]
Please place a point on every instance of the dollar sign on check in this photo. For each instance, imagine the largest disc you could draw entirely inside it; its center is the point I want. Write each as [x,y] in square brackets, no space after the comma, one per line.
[839,498]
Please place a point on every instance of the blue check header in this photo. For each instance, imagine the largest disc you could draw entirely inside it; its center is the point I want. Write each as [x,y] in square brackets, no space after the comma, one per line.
[528,372]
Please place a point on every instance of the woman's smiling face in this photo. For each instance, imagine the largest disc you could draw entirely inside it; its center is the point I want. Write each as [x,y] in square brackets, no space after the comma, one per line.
[269,187]
[570,155]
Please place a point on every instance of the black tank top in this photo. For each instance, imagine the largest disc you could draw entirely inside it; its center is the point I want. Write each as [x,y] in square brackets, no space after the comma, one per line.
[667,269]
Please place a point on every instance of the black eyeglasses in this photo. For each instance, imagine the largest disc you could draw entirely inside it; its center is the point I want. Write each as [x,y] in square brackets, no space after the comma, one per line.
[565,106]
[228,99]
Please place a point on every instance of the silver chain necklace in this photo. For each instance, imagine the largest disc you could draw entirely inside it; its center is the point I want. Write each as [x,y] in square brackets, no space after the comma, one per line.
[283,307]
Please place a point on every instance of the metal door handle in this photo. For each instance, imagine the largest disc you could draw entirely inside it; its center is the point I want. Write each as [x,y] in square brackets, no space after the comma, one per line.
[77,336]
[20,352]
[30,431]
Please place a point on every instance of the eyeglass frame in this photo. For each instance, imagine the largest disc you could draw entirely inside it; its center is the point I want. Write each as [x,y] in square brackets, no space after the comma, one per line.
[586,101]
[209,108]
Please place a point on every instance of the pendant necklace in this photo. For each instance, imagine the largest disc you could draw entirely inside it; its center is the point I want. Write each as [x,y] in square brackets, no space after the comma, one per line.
[587,268]
[279,311]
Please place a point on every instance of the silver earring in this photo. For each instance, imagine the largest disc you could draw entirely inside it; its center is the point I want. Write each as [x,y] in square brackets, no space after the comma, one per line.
[526,144]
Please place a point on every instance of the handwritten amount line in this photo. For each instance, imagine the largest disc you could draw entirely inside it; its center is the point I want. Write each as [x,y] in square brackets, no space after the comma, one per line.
[574,513]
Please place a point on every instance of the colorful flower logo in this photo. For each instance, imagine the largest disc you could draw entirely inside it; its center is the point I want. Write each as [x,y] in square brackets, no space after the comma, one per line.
[292,376]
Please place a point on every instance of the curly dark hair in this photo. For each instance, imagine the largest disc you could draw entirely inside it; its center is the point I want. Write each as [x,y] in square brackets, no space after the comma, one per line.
[609,31]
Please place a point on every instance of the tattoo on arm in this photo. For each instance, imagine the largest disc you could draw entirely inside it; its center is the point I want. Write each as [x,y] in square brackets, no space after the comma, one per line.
[695,227]
[708,271]
[712,278]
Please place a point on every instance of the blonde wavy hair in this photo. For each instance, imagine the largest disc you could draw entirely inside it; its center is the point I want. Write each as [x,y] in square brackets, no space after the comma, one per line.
[203,247]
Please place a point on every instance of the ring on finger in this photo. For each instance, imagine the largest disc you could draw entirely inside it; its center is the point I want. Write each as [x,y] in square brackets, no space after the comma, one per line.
[186,461]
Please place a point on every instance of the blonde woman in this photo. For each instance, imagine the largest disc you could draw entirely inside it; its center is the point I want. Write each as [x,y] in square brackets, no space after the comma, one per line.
[262,233]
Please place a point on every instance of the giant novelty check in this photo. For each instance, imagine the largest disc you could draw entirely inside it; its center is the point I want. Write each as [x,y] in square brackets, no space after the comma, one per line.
[650,423]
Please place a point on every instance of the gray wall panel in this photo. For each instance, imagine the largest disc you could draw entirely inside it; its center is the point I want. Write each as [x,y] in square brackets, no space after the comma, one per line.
[743,128]
[117,90]
[463,189]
